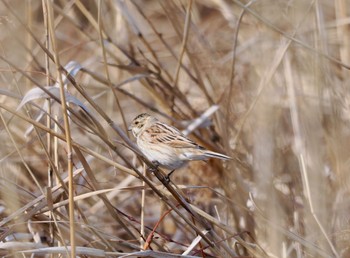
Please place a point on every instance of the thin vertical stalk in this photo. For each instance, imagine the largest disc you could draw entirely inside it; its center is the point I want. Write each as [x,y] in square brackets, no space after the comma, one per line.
[142,216]
[48,119]
[184,42]
[100,30]
[67,129]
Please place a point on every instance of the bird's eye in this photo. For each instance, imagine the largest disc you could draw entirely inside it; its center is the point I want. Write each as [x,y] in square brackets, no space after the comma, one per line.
[137,122]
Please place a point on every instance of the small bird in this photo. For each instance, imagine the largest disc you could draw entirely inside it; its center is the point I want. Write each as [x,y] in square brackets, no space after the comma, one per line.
[166,146]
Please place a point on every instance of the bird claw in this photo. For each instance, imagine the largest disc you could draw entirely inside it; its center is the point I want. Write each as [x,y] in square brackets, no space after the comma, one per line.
[167,177]
[156,164]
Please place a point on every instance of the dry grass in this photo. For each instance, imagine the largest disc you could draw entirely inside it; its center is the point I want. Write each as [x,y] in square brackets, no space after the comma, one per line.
[71,180]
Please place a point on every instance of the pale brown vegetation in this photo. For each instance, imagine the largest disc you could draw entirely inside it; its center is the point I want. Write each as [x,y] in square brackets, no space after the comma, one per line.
[73,184]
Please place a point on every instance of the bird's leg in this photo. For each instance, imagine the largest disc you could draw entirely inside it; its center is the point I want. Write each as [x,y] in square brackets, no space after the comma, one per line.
[167,177]
[156,164]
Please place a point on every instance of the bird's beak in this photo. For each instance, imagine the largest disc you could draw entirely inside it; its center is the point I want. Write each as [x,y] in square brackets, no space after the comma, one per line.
[129,128]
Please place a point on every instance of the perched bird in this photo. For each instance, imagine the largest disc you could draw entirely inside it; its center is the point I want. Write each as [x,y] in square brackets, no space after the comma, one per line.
[166,146]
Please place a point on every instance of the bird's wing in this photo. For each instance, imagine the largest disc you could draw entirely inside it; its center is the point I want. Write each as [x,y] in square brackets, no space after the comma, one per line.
[166,134]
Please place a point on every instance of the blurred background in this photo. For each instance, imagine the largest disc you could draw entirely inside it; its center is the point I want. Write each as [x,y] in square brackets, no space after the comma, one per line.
[275,72]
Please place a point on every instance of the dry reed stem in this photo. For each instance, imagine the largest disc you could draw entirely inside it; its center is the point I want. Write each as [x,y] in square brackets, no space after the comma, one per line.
[277,73]
[67,129]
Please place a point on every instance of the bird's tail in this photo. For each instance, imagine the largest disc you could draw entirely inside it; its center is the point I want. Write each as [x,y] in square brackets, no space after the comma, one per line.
[212,154]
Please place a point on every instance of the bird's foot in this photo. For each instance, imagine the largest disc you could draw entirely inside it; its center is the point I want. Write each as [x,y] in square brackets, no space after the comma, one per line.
[167,177]
[156,164]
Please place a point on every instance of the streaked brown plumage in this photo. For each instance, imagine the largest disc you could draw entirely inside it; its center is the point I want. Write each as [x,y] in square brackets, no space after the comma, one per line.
[165,145]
